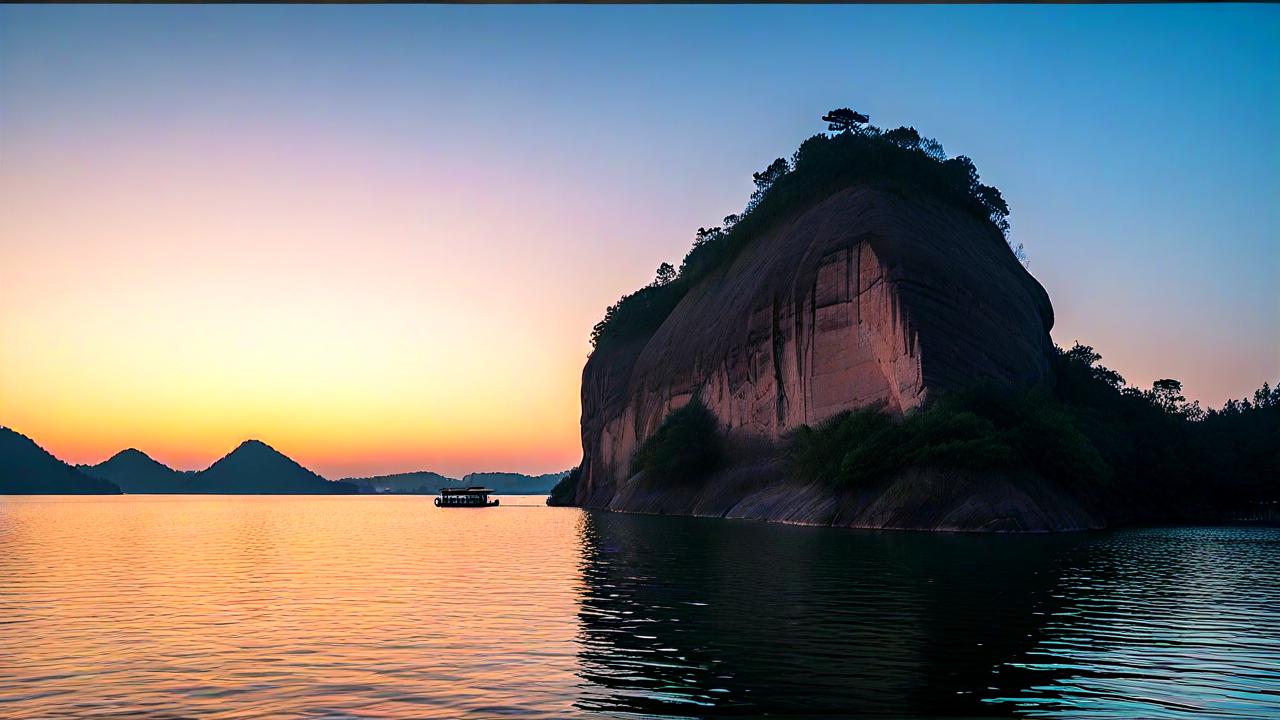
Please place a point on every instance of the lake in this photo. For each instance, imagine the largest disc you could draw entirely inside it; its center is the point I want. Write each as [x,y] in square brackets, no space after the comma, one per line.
[387,607]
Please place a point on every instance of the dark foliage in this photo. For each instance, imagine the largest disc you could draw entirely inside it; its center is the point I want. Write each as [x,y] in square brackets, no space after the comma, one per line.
[844,120]
[664,275]
[566,490]
[900,160]
[1136,454]
[1241,446]
[685,448]
[638,314]
[1162,446]
[981,429]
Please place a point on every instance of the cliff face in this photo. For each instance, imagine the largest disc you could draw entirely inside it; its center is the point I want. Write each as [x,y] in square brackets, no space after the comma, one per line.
[867,298]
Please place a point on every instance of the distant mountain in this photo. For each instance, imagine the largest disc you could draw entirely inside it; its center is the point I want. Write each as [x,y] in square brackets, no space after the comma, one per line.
[515,483]
[28,469]
[252,468]
[136,472]
[257,468]
[423,481]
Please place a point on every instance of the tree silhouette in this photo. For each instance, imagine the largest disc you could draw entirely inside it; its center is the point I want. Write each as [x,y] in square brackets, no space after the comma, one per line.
[1266,397]
[933,149]
[903,137]
[706,235]
[765,180]
[770,175]
[1167,395]
[665,274]
[844,120]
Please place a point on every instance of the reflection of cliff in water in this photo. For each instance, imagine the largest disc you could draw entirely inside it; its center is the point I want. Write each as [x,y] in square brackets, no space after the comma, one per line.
[695,617]
[1166,622]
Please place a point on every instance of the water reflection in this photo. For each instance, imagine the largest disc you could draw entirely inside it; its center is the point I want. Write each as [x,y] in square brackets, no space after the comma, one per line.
[163,607]
[1163,623]
[703,617]
[158,607]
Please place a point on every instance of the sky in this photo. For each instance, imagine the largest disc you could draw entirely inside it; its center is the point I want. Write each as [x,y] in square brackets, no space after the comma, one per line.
[377,237]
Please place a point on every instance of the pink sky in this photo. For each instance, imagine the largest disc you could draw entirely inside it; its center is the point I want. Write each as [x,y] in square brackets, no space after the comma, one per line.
[378,239]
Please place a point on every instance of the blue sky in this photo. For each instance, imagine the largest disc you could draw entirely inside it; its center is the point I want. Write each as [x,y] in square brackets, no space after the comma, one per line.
[1136,144]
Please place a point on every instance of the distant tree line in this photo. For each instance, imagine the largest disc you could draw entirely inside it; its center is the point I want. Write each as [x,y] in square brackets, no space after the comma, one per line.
[854,151]
[566,490]
[1131,454]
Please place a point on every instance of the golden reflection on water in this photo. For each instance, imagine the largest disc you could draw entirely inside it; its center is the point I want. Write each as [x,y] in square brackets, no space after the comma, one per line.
[164,607]
[160,606]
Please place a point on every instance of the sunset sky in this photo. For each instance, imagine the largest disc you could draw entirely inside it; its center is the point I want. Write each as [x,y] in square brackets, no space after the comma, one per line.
[377,237]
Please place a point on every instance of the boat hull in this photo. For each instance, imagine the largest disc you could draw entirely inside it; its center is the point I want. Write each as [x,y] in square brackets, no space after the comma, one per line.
[459,503]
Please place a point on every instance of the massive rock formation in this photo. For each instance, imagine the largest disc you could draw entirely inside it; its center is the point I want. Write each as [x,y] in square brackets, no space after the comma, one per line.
[868,298]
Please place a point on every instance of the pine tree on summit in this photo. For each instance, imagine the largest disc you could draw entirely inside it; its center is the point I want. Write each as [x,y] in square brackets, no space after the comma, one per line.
[845,120]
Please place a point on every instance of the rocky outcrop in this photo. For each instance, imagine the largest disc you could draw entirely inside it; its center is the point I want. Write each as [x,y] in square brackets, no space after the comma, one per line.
[868,298]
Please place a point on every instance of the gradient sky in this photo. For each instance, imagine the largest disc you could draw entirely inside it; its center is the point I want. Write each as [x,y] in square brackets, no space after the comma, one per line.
[377,237]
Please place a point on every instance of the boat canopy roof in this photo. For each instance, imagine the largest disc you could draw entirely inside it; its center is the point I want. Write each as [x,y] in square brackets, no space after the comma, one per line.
[465,491]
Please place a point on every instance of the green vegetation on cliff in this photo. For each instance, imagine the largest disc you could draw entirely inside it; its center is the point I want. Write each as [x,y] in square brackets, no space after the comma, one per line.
[900,160]
[983,429]
[566,490]
[1114,446]
[685,448]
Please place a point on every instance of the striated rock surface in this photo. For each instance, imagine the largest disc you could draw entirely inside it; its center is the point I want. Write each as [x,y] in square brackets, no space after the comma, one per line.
[866,299]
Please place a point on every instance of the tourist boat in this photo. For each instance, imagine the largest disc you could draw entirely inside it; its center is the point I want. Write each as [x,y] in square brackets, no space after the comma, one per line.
[465,497]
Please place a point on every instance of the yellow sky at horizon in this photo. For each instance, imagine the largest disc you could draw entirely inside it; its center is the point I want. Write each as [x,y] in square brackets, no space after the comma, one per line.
[201,300]
[211,294]
[377,239]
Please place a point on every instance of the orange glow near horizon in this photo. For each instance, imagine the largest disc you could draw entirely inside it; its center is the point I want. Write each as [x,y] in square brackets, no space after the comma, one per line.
[215,291]
[377,237]
[209,294]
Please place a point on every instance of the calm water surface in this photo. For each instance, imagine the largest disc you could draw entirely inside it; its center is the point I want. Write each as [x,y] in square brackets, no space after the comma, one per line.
[387,607]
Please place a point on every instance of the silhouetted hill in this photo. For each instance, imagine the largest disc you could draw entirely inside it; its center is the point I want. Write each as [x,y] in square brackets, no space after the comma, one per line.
[515,483]
[256,468]
[136,472]
[28,469]
[423,481]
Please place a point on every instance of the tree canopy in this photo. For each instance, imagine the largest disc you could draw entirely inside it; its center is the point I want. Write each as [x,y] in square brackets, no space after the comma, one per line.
[901,159]
[844,120]
[1132,454]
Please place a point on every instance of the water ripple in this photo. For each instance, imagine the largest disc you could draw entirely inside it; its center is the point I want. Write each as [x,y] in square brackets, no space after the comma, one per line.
[387,607]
